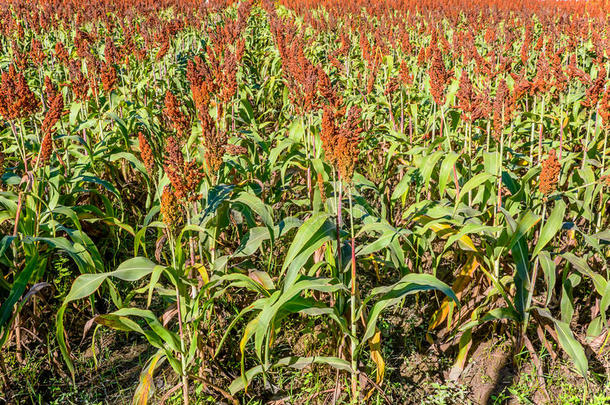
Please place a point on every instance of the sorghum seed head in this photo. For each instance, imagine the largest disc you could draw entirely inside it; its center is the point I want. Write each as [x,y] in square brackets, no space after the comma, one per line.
[549,174]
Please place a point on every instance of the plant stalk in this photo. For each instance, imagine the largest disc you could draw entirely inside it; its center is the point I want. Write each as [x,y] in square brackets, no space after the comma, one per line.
[354,364]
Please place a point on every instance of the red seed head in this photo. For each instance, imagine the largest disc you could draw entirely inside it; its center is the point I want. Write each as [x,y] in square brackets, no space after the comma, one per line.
[172,111]
[146,154]
[46,148]
[53,115]
[549,174]
[16,99]
[171,212]
[108,76]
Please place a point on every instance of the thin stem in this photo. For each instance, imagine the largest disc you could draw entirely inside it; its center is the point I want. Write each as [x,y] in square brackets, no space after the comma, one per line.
[402,113]
[355,387]
[601,209]
[20,144]
[191,250]
[185,387]
[584,148]
[540,131]
[442,129]
[530,293]
[433,121]
[488,135]
[339,198]
[531,162]
[499,174]
[469,141]
[560,130]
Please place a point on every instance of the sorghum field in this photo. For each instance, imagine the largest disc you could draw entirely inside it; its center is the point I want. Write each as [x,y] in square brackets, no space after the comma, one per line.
[304,202]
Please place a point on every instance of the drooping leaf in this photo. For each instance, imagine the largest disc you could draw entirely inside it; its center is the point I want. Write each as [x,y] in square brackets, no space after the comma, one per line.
[293,362]
[393,294]
[572,347]
[146,386]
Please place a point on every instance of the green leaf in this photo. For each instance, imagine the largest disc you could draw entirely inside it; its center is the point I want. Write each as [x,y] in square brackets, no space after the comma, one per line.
[581,265]
[605,302]
[393,294]
[311,235]
[548,268]
[154,278]
[295,362]
[17,289]
[86,284]
[520,254]
[603,236]
[269,312]
[61,341]
[134,269]
[76,251]
[500,313]
[388,235]
[401,187]
[428,166]
[551,227]
[446,171]
[572,347]
[130,270]
[130,157]
[257,206]
[169,337]
[91,179]
[252,241]
[145,388]
[258,305]
[472,184]
[526,222]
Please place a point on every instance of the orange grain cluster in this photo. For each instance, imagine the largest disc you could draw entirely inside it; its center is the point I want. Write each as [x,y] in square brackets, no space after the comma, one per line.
[340,143]
[146,154]
[51,118]
[178,119]
[46,149]
[184,176]
[171,211]
[108,76]
[16,99]
[549,174]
